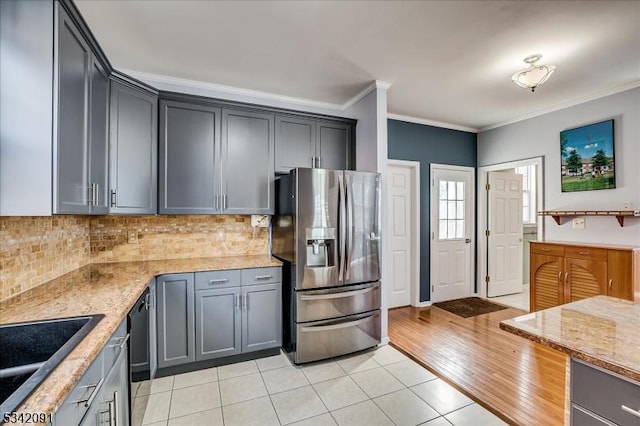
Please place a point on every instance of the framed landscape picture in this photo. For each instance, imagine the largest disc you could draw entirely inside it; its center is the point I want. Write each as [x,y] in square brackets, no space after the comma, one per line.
[587,157]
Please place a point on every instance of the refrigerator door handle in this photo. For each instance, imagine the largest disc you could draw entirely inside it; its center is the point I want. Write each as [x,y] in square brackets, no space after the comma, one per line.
[349,231]
[341,228]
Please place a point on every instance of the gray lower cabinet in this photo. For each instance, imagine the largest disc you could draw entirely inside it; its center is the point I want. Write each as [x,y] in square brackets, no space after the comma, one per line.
[600,397]
[80,148]
[261,317]
[175,319]
[133,151]
[306,142]
[101,396]
[247,153]
[236,311]
[218,323]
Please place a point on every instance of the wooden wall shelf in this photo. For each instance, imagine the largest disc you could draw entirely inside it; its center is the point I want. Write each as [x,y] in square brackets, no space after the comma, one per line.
[558,215]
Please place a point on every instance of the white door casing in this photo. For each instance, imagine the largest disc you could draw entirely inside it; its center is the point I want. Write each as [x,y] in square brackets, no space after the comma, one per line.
[504,239]
[452,225]
[403,231]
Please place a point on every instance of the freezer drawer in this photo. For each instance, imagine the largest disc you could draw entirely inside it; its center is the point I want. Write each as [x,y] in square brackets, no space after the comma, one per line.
[325,339]
[316,305]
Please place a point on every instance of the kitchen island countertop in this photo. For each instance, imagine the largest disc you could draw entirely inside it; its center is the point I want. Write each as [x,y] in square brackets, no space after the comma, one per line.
[110,289]
[601,330]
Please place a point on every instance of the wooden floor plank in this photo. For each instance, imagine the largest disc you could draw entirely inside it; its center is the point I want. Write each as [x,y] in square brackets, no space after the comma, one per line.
[521,381]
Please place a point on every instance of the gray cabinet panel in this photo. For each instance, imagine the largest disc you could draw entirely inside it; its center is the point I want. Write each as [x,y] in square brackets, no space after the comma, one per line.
[98,141]
[133,151]
[295,143]
[188,180]
[26,159]
[175,309]
[332,146]
[153,329]
[247,162]
[218,323]
[261,317]
[70,191]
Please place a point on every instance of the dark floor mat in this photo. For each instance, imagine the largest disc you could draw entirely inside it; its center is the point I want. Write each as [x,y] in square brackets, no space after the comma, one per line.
[469,307]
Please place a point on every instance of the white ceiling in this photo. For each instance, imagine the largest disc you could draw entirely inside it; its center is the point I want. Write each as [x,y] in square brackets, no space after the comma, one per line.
[446,61]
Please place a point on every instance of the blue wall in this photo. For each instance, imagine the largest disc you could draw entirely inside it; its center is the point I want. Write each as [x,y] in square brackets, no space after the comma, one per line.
[428,144]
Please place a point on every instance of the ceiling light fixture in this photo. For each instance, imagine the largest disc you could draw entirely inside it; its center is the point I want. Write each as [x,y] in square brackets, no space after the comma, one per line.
[535,75]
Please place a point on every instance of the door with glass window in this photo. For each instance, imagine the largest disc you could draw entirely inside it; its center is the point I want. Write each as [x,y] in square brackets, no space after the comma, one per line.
[452,223]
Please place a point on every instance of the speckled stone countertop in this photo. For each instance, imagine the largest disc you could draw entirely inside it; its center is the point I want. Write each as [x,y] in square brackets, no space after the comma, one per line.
[105,288]
[601,330]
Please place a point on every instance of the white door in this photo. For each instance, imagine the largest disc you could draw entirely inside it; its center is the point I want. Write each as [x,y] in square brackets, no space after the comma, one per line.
[504,240]
[400,214]
[452,190]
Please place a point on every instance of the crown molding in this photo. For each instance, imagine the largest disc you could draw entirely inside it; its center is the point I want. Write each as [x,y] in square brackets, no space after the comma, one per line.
[164,82]
[378,84]
[433,123]
[564,105]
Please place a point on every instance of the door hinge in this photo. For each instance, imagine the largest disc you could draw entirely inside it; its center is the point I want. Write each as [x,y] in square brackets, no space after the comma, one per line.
[487,187]
[487,279]
[487,233]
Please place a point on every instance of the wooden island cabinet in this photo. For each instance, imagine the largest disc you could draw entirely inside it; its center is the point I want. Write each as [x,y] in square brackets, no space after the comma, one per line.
[566,272]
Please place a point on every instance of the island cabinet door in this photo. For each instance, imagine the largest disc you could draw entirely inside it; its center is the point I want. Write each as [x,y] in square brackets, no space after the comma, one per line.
[546,281]
[620,274]
[176,335]
[584,278]
[218,323]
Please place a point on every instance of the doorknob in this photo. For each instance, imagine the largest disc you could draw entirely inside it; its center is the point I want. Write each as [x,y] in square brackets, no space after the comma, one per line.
[467,240]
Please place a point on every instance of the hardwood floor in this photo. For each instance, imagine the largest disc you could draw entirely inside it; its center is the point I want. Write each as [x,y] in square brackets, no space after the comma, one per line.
[520,381]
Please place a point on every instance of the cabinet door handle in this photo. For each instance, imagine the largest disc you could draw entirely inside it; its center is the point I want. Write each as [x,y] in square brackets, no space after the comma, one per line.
[610,283]
[559,275]
[566,275]
[313,162]
[245,302]
[87,402]
[114,198]
[217,202]
[224,202]
[583,253]
[630,411]
[262,277]
[319,162]
[115,409]
[545,249]
[219,281]
[238,302]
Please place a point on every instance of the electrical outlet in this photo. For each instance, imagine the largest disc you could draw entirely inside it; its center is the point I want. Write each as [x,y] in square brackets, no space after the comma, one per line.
[132,237]
[578,223]
[260,220]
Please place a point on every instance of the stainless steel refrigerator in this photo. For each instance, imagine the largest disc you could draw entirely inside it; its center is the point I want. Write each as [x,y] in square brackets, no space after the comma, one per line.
[327,232]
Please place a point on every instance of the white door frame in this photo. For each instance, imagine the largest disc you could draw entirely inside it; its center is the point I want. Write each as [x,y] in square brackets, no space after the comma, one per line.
[472,200]
[414,171]
[482,210]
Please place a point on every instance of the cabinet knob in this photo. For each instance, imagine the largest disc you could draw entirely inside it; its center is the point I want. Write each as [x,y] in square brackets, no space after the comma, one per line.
[610,283]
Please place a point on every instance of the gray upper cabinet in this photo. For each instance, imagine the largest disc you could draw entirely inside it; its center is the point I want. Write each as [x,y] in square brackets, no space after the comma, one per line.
[333,145]
[133,152]
[175,319]
[80,148]
[306,142]
[247,155]
[189,158]
[214,160]
[71,191]
[98,140]
[295,143]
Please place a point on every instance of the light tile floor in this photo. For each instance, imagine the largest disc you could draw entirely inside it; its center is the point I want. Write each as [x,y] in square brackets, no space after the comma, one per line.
[517,300]
[378,387]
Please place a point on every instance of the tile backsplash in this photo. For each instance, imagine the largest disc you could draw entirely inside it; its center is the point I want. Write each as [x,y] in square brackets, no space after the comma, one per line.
[175,237]
[34,250]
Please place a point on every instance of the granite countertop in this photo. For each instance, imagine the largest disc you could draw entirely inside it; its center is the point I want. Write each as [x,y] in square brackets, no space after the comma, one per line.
[601,330]
[110,289]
